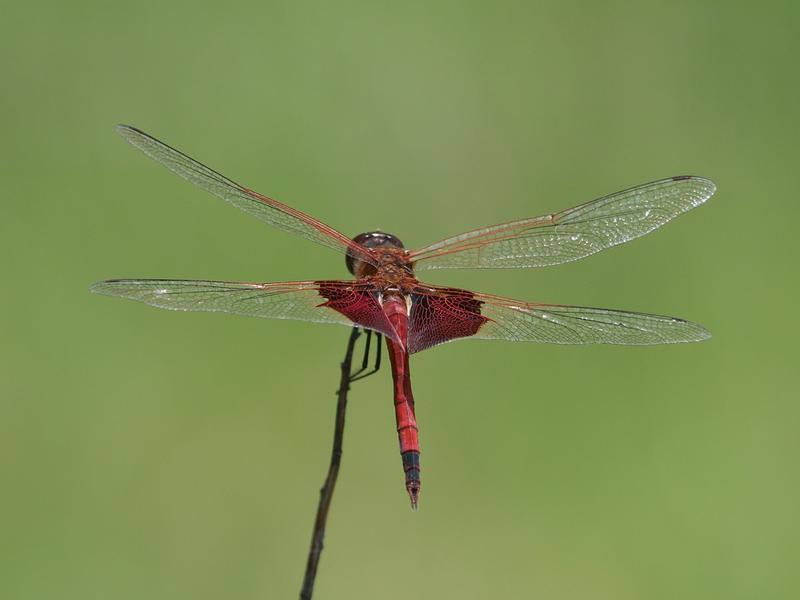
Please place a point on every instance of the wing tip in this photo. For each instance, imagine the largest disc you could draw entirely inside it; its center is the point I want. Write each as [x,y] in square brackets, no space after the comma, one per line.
[132,134]
[709,187]
[694,331]
[124,129]
[703,334]
[103,287]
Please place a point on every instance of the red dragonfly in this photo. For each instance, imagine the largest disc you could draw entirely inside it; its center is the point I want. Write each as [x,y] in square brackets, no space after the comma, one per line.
[386,297]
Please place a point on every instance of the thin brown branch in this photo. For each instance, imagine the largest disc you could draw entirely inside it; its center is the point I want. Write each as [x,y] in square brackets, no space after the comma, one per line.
[326,492]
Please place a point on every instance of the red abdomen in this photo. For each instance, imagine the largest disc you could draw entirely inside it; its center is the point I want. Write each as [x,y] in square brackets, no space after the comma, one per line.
[396,310]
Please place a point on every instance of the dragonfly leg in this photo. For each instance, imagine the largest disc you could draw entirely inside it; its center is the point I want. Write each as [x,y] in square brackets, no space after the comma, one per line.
[365,361]
[360,374]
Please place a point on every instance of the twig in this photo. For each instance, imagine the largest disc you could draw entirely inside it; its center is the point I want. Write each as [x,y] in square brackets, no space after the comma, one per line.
[326,492]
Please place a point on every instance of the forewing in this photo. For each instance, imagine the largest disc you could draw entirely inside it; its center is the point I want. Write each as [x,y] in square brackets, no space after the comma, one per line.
[271,211]
[343,302]
[440,315]
[570,234]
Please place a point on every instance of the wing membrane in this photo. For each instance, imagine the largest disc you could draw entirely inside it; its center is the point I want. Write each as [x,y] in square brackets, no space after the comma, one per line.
[570,234]
[557,324]
[443,314]
[271,211]
[438,314]
[342,302]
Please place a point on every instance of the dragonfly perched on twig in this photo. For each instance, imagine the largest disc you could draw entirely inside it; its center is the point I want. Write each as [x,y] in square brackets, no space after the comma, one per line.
[385,296]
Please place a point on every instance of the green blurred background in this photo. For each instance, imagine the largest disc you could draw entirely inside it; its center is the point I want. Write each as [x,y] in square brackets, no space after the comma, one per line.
[149,454]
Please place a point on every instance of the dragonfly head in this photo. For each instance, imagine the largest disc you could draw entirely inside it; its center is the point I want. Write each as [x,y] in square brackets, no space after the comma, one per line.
[371,239]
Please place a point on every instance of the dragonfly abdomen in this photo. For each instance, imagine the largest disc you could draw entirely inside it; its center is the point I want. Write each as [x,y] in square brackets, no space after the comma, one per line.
[396,310]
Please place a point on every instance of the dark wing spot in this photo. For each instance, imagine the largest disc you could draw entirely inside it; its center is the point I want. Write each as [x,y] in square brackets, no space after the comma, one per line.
[447,314]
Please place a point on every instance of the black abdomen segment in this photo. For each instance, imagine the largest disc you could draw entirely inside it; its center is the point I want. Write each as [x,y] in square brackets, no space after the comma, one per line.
[411,467]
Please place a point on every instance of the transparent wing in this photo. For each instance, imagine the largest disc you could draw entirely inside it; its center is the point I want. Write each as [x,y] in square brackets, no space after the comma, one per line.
[570,234]
[273,212]
[557,324]
[439,315]
[342,302]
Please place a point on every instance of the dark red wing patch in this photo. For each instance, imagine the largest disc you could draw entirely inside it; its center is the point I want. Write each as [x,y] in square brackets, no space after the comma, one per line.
[359,304]
[440,315]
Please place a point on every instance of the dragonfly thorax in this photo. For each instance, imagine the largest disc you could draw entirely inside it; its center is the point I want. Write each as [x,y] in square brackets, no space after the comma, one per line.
[388,250]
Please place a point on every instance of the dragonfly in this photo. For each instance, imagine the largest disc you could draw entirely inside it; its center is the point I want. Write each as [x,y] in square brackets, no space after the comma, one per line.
[386,298]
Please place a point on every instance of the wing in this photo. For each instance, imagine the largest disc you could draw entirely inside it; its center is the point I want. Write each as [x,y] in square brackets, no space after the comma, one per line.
[442,314]
[343,302]
[570,234]
[273,212]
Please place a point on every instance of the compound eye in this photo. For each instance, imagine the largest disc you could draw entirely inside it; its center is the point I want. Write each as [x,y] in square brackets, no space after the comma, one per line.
[371,239]
[352,262]
[378,239]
